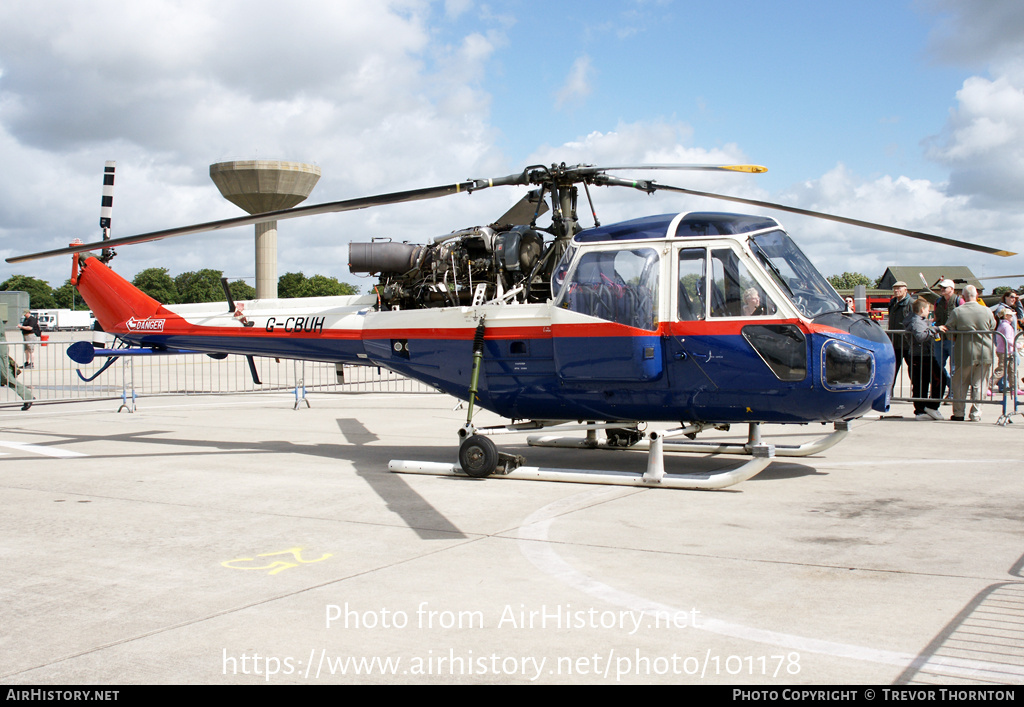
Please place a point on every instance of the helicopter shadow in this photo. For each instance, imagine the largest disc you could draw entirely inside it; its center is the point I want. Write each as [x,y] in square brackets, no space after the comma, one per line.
[986,634]
[369,460]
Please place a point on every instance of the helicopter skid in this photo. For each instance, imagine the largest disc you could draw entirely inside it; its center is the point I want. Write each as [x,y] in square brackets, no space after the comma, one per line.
[655,476]
[707,482]
[842,429]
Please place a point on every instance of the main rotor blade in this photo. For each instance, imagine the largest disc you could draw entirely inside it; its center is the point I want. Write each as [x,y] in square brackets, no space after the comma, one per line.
[311,210]
[749,168]
[652,186]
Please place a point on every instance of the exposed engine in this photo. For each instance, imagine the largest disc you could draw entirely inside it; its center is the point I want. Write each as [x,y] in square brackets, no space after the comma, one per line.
[473,265]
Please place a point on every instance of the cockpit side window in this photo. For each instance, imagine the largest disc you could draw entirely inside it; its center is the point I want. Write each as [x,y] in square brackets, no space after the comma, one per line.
[617,285]
[561,270]
[691,284]
[734,292]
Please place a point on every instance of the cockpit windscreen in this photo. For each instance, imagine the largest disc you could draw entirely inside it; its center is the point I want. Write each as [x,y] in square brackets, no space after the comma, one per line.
[798,278]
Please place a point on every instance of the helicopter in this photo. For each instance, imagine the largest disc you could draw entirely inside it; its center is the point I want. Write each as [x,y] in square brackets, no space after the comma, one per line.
[689,322]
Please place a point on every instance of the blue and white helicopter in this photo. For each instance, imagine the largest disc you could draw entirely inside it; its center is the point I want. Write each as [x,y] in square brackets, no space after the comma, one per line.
[648,331]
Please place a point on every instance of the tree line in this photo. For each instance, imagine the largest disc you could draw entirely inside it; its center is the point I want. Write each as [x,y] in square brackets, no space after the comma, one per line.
[849,280]
[186,288]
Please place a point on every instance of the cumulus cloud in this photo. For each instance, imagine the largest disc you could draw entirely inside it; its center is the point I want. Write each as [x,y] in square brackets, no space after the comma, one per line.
[166,88]
[161,73]
[983,140]
[912,204]
[977,34]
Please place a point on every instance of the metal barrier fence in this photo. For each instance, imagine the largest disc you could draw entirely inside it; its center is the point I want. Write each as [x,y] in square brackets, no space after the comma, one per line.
[996,383]
[55,378]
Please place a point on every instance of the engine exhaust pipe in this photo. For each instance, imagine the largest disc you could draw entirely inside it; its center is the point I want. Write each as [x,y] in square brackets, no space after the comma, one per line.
[383,256]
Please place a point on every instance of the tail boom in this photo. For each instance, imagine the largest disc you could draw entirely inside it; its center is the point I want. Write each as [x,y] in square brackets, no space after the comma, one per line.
[318,329]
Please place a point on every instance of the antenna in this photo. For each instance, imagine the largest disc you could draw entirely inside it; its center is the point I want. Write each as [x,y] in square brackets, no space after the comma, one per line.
[106,207]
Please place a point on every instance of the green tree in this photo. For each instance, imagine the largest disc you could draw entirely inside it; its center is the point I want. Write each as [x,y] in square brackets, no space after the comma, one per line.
[290,285]
[323,286]
[40,293]
[199,286]
[849,280]
[240,290]
[158,284]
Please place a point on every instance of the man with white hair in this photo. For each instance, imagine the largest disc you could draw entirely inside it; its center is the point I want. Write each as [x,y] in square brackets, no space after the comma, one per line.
[947,302]
[972,352]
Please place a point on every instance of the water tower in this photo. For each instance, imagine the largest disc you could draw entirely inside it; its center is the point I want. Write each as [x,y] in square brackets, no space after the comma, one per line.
[259,186]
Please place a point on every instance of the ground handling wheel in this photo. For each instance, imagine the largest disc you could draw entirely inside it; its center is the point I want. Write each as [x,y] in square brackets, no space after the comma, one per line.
[478,456]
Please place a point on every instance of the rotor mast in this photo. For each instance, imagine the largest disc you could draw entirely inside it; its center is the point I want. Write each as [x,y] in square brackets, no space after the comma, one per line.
[565,220]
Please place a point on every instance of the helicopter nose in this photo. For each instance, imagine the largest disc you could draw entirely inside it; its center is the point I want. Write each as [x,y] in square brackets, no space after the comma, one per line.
[863,360]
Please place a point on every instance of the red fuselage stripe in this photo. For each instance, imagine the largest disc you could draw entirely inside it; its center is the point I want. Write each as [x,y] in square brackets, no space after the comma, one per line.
[177,326]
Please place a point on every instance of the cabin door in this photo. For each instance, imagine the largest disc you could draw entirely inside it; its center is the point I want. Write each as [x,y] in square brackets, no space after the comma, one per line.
[605,324]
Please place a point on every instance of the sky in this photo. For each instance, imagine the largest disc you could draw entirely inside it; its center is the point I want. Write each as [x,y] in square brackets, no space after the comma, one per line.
[904,112]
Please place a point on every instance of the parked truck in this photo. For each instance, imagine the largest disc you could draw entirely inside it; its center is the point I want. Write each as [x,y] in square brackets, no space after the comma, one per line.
[63,319]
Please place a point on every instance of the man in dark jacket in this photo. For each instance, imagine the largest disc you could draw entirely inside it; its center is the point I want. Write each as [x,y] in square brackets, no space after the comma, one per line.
[899,313]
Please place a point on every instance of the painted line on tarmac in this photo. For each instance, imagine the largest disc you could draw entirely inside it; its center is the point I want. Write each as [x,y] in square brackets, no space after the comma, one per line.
[534,543]
[40,449]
